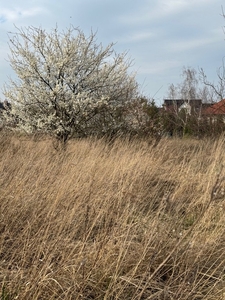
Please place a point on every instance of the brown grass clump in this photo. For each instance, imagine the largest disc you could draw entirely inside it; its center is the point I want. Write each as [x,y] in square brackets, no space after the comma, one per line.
[125,220]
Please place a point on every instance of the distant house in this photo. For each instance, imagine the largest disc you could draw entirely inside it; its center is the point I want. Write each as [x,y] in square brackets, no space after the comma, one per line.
[216,109]
[207,117]
[215,113]
[193,106]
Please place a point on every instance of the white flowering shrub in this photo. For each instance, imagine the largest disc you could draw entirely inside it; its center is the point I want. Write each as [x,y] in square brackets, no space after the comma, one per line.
[67,84]
[145,118]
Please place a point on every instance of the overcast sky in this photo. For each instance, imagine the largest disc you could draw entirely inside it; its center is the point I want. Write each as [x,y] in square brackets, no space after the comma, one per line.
[161,36]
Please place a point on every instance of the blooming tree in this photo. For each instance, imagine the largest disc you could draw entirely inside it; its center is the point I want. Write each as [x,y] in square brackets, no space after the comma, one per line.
[67,84]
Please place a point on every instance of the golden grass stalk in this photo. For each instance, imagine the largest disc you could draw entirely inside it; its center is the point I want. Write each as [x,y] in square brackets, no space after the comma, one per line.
[125,220]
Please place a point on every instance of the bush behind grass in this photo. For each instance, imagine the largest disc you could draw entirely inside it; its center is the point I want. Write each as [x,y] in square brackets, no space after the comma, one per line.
[126,220]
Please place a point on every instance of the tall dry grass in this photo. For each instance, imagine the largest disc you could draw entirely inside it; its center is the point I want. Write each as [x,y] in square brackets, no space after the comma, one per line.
[127,220]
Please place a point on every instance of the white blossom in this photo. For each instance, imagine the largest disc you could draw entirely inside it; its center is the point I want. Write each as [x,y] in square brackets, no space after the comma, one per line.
[67,83]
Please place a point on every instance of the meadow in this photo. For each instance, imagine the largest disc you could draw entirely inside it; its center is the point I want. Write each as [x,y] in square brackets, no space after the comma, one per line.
[120,220]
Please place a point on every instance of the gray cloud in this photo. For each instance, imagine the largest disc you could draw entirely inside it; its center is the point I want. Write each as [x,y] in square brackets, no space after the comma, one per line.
[161,36]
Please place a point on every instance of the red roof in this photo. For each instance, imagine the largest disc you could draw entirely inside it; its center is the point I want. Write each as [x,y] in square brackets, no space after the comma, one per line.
[216,109]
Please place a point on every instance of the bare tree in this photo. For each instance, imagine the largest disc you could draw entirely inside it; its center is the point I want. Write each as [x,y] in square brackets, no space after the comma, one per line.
[67,84]
[188,88]
[173,92]
[185,92]
[218,89]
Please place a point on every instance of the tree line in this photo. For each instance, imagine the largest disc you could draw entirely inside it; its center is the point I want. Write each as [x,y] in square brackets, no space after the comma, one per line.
[70,86]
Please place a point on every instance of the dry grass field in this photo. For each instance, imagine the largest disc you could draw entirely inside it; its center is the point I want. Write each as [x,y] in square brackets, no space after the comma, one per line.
[126,220]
